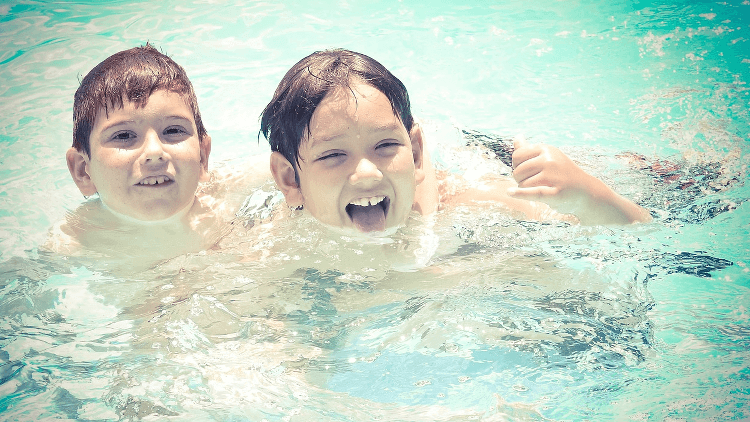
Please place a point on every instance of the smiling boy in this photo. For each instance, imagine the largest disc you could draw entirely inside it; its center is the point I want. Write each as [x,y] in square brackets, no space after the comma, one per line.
[369,184]
[144,159]
[347,150]
[139,143]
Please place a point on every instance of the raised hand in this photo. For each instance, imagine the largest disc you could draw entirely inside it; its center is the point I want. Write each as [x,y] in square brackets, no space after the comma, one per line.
[546,174]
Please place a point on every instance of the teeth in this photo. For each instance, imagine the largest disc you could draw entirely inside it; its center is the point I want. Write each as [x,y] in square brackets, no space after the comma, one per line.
[363,202]
[154,180]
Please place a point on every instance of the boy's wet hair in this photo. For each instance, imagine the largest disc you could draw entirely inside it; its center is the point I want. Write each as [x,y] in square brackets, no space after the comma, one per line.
[287,117]
[133,74]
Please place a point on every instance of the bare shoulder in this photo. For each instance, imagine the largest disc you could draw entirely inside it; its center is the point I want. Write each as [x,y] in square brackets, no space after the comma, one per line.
[230,182]
[248,171]
[60,241]
[65,236]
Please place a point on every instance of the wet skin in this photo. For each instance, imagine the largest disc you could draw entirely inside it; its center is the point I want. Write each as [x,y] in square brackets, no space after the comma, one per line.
[145,162]
[357,166]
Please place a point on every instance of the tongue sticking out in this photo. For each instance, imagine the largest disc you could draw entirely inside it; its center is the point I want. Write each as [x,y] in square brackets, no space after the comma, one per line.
[368,218]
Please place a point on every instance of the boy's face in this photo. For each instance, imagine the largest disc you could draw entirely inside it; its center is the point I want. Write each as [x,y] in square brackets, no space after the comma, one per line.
[146,162]
[357,166]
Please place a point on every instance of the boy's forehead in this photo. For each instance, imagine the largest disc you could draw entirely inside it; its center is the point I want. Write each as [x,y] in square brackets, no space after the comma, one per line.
[166,98]
[359,108]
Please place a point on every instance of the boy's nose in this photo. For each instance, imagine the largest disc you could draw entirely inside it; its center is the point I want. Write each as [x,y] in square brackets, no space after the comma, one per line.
[366,171]
[153,149]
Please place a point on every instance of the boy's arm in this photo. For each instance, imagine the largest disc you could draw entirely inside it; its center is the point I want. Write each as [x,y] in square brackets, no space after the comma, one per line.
[546,174]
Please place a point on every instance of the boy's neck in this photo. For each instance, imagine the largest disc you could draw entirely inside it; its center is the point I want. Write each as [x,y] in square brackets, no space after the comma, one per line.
[176,219]
[375,237]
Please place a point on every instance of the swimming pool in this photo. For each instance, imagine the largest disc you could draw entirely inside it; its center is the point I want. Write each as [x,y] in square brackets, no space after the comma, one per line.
[465,316]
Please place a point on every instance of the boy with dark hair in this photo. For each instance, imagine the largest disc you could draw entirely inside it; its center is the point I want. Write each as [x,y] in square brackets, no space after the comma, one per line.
[347,149]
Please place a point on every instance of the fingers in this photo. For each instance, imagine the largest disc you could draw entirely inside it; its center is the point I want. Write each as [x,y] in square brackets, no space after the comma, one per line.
[533,178]
[526,164]
[523,151]
[519,142]
[526,170]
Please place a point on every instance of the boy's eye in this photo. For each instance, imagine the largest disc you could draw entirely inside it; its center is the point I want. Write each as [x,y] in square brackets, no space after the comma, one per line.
[123,136]
[175,130]
[387,144]
[330,155]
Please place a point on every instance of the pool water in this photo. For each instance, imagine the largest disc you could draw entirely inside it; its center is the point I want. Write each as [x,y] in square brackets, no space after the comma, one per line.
[465,315]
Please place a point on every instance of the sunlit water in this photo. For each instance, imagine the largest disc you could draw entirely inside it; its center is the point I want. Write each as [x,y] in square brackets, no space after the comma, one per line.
[466,315]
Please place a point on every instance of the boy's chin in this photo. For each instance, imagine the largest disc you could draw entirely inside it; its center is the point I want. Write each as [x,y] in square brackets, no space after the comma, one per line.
[154,215]
[354,233]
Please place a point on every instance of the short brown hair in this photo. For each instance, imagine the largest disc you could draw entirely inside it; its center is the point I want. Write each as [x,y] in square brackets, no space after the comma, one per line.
[133,74]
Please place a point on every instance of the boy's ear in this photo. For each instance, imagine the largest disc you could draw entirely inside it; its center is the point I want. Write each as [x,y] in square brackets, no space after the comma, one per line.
[78,165]
[205,146]
[283,173]
[417,150]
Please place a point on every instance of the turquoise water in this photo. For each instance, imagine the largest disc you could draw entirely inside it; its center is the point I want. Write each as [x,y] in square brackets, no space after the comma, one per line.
[470,315]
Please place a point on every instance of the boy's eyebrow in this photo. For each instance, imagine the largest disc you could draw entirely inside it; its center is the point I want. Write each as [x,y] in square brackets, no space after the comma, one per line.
[132,121]
[384,127]
[178,117]
[109,126]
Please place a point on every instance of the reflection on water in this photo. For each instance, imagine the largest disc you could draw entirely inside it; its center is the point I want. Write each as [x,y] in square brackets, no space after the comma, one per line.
[287,318]
[231,332]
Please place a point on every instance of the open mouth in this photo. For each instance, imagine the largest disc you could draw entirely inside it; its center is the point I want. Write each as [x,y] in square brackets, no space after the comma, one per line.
[155,180]
[368,214]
